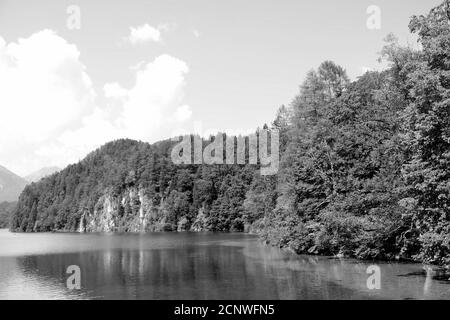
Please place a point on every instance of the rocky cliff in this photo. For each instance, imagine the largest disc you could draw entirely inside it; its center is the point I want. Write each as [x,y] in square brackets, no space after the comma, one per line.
[133,211]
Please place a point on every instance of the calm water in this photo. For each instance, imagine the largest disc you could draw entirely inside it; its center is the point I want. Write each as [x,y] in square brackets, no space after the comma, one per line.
[192,266]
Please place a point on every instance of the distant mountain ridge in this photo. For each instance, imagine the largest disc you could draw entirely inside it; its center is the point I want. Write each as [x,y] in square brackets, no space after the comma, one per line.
[11,185]
[41,173]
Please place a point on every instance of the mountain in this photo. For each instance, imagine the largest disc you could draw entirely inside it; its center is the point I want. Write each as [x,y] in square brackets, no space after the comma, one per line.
[38,175]
[133,186]
[11,185]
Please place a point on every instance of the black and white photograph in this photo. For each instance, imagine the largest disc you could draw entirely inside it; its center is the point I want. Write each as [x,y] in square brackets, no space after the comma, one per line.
[224,150]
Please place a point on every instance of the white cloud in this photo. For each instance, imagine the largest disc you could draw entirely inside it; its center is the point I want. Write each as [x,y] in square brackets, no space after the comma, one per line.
[150,110]
[114,90]
[145,33]
[183,113]
[196,33]
[49,114]
[41,78]
[72,145]
[44,90]
[157,93]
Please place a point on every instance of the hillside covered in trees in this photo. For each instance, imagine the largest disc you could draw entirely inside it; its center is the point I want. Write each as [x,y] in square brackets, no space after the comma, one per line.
[364,169]
[6,212]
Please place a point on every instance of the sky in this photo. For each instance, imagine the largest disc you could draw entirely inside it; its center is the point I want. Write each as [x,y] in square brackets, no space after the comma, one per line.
[77,74]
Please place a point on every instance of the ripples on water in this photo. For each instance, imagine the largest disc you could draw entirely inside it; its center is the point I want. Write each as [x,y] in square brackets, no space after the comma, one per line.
[192,266]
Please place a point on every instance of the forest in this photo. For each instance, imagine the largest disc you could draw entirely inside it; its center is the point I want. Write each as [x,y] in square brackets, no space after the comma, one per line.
[364,169]
[6,211]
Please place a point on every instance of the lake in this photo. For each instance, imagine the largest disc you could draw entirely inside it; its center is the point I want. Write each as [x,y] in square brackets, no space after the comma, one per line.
[193,266]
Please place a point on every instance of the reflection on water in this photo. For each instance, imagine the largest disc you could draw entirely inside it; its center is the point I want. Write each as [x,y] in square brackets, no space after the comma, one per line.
[192,266]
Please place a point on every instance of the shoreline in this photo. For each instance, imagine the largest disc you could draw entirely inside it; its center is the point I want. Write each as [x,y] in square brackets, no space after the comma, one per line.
[442,270]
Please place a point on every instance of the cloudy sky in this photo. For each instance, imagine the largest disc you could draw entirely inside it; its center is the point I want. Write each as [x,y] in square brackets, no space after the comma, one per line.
[150,69]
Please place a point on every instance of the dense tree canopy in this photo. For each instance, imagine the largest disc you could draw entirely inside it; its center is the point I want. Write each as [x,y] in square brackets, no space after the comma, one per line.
[6,211]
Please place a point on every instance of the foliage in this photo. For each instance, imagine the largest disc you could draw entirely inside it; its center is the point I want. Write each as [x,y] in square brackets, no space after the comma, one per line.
[6,212]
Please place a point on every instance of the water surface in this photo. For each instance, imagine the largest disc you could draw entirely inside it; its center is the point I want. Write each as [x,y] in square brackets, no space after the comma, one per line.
[193,266]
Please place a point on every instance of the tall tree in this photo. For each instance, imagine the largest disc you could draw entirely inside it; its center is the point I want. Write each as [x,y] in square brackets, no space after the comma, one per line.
[427,136]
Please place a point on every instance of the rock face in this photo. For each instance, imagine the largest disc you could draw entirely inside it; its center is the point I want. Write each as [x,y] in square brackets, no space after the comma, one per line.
[129,212]
[200,223]
[133,211]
